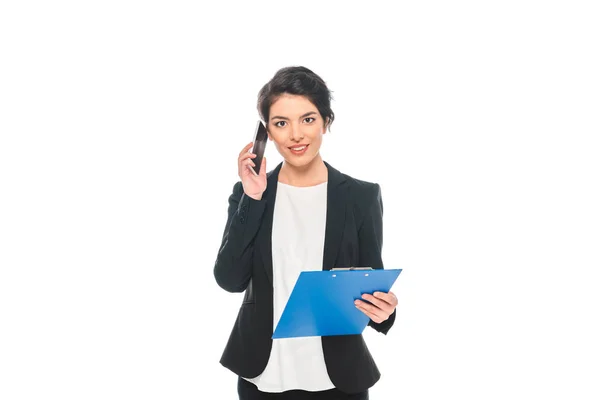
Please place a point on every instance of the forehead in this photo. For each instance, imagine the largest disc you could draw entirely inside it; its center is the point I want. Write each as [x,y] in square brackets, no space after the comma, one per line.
[289,105]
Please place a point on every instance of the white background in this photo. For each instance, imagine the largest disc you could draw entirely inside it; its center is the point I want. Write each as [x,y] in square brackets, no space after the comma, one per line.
[120,126]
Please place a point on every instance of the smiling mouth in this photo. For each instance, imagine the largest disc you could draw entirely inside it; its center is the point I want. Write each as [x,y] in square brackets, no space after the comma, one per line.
[299,148]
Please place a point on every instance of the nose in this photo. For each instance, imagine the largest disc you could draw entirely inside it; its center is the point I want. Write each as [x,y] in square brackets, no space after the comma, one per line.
[296,133]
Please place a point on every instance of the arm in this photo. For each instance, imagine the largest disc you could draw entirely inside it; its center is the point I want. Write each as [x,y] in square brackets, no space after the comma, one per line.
[233,267]
[370,239]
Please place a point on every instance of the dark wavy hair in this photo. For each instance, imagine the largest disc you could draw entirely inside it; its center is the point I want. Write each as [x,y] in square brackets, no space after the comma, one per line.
[297,81]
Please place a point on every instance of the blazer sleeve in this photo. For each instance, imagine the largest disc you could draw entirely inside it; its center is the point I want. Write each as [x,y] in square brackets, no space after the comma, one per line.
[370,238]
[233,267]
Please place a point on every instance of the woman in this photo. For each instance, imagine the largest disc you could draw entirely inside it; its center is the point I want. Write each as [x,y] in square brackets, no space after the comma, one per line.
[303,215]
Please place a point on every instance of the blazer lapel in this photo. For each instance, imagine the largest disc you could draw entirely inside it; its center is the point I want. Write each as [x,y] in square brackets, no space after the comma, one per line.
[264,235]
[335,219]
[336,216]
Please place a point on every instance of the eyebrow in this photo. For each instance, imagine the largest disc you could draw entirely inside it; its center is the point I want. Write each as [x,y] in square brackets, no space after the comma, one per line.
[287,119]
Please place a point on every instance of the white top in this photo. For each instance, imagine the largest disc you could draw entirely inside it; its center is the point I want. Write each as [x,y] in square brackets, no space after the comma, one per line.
[298,240]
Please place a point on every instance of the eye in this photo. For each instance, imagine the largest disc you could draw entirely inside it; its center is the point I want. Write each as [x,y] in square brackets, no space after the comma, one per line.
[279,122]
[311,118]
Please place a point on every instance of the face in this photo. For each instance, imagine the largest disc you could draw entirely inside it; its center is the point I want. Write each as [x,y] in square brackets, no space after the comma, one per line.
[296,128]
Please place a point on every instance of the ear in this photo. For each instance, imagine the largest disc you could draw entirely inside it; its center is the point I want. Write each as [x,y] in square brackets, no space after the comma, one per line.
[325,125]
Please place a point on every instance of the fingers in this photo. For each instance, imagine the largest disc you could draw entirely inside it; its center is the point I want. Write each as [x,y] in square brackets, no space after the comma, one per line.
[251,168]
[246,164]
[246,156]
[380,303]
[247,167]
[246,148]
[245,159]
[381,307]
[376,314]
[249,162]
[372,316]
[387,297]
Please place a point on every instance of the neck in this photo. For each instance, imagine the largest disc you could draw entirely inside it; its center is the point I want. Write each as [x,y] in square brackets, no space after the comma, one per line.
[310,174]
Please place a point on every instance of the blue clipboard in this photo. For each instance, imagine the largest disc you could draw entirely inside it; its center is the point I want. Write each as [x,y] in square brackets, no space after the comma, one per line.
[322,302]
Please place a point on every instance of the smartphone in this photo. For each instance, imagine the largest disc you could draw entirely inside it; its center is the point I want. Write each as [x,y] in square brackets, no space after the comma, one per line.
[258,148]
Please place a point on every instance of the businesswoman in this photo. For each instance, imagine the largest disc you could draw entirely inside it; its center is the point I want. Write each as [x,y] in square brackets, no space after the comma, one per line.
[303,215]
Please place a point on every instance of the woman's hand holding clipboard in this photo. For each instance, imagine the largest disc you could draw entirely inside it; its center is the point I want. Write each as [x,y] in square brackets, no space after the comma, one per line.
[254,180]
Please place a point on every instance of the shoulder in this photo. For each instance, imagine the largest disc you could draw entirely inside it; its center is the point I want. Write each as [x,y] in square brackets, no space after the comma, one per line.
[364,192]
[364,196]
[238,188]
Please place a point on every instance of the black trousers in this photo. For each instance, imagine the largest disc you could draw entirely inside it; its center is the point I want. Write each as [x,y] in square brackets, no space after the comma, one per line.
[249,391]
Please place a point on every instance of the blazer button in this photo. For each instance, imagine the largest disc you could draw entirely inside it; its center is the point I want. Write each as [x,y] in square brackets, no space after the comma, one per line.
[243,220]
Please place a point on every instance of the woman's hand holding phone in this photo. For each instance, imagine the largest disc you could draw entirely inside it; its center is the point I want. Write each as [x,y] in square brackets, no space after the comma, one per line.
[254,185]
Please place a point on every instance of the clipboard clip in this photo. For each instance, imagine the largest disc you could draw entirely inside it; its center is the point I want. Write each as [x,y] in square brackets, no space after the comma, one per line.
[353,269]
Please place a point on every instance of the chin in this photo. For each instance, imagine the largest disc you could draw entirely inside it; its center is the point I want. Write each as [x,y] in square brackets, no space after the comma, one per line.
[300,163]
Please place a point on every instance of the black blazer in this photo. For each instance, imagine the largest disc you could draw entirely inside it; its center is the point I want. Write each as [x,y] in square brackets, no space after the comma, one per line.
[353,237]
